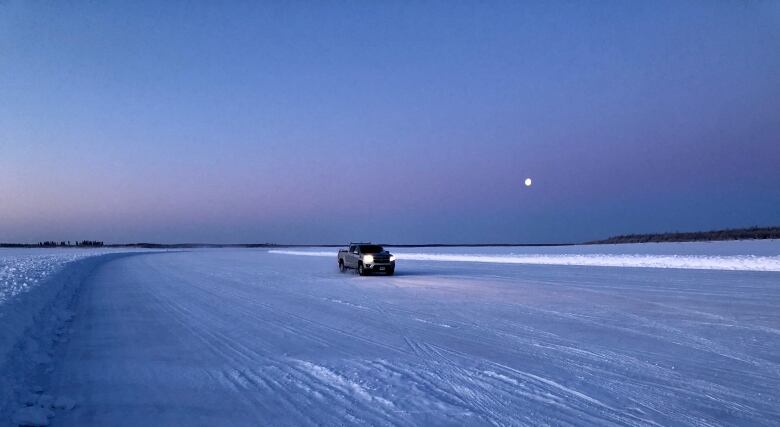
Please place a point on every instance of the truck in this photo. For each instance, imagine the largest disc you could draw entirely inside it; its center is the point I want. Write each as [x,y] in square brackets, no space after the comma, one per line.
[366,258]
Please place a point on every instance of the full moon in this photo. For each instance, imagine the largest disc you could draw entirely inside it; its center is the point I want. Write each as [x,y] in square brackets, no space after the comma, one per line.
[528,182]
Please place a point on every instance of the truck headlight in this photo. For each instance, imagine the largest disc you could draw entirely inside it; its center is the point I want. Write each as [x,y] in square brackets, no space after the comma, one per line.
[392,258]
[368,259]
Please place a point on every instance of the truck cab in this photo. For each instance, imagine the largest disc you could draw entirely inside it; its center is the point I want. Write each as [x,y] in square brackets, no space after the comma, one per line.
[366,258]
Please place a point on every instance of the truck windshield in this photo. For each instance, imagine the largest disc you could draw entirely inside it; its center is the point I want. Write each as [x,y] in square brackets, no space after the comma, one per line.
[370,249]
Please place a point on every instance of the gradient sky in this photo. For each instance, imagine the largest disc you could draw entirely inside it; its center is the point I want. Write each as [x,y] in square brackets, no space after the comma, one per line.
[305,122]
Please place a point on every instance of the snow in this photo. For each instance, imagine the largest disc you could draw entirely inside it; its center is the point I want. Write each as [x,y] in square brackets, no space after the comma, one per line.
[23,269]
[744,262]
[32,416]
[248,337]
[36,286]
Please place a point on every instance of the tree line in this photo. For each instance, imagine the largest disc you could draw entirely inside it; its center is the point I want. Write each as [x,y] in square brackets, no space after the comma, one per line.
[751,233]
[67,243]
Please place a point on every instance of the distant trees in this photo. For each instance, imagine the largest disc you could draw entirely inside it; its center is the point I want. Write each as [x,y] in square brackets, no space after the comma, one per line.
[696,236]
[83,243]
[91,243]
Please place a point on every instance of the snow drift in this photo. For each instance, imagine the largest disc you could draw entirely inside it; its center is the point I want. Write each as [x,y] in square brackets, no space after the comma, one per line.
[697,262]
[36,289]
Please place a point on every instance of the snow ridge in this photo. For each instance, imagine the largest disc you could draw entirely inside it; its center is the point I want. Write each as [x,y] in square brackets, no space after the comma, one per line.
[23,272]
[36,291]
[696,262]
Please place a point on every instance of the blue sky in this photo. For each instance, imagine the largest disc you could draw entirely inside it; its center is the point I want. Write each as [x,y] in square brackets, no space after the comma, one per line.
[388,121]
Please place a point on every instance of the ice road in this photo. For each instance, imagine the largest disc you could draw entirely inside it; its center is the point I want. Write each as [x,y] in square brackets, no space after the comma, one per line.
[248,337]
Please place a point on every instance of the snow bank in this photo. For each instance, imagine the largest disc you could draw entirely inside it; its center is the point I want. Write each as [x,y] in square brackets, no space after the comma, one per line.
[20,272]
[25,291]
[36,290]
[697,262]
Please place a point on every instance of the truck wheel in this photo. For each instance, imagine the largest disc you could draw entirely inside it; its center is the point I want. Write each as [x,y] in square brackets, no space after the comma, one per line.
[361,271]
[341,266]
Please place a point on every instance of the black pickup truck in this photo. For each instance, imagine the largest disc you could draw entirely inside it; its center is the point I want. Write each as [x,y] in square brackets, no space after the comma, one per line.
[366,258]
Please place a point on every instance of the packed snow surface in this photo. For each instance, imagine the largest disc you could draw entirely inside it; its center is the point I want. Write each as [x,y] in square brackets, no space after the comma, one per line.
[252,337]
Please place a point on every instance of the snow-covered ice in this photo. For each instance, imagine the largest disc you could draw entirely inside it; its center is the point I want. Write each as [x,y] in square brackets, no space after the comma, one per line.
[257,337]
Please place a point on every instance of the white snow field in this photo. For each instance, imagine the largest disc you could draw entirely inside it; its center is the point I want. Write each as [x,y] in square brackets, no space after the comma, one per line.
[255,337]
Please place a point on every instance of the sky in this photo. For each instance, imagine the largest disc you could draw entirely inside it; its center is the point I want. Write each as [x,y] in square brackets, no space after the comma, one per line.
[395,122]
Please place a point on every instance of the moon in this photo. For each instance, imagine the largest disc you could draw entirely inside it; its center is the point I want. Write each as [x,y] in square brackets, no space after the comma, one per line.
[528,182]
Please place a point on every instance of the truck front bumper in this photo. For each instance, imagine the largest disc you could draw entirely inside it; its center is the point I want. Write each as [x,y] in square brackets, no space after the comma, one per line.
[380,267]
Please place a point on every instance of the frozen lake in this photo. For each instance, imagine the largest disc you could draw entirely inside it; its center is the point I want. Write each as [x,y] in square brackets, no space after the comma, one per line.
[248,337]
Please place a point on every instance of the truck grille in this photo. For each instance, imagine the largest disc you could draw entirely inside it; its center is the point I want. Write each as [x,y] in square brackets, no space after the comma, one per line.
[381,259]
